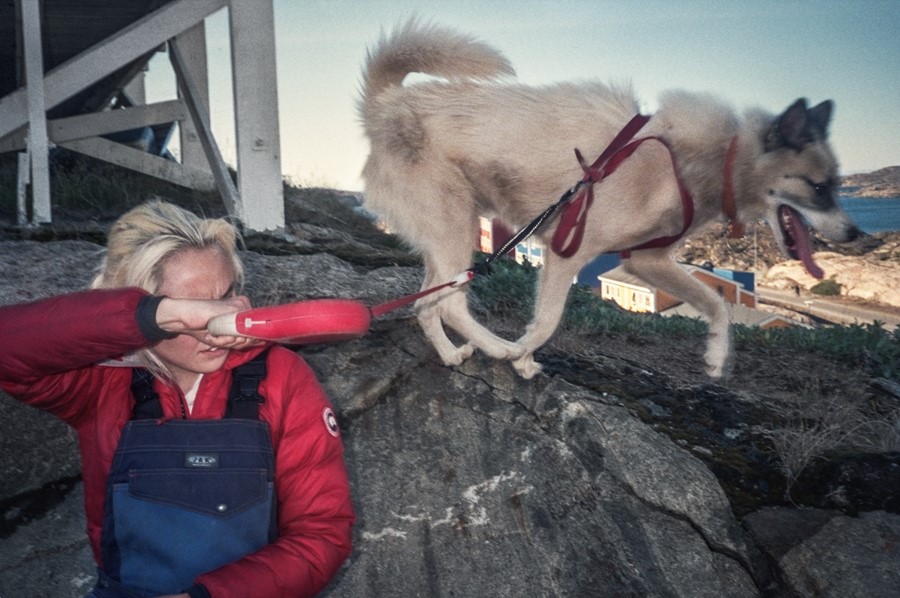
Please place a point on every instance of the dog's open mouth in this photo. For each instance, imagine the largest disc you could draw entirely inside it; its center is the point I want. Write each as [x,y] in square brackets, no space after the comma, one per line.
[796,239]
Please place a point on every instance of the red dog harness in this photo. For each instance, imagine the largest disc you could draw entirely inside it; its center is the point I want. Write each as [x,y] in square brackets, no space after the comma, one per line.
[567,238]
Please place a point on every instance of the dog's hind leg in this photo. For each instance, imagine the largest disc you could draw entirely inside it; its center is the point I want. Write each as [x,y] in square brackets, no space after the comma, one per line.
[450,307]
[430,313]
[456,314]
[429,316]
[553,285]
[656,267]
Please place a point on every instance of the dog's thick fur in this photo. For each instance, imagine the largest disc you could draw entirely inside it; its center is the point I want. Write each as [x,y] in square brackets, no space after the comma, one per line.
[445,152]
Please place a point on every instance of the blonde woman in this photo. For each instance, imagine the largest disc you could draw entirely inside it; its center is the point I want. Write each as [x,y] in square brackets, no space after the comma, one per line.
[214,470]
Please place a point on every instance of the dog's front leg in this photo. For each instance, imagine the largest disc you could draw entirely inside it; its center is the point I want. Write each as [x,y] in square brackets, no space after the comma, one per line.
[656,267]
[554,281]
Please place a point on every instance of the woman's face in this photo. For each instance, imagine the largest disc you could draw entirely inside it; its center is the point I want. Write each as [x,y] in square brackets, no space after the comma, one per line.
[194,274]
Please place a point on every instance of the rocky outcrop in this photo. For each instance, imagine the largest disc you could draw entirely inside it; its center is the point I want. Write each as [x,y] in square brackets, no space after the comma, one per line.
[471,481]
[813,569]
[884,182]
[871,280]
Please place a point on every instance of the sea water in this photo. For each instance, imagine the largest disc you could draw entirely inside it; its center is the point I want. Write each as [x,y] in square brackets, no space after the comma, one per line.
[873,215]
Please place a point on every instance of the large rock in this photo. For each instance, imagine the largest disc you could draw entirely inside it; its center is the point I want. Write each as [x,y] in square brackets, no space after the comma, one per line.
[866,567]
[473,482]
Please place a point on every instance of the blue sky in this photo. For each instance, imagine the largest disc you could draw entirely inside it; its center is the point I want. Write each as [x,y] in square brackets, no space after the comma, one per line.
[755,53]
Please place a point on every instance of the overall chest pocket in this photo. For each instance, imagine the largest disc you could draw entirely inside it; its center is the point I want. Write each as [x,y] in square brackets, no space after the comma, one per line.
[214,493]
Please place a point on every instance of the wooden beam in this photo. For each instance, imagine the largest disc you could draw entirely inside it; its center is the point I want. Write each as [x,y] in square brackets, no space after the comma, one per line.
[127,157]
[200,118]
[192,44]
[102,123]
[22,182]
[254,79]
[113,121]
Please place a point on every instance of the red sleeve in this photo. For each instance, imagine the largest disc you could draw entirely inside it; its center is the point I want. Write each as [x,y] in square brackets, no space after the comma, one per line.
[315,513]
[47,346]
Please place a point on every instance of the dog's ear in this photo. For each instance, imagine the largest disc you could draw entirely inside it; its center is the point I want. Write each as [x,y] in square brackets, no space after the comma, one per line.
[788,129]
[819,117]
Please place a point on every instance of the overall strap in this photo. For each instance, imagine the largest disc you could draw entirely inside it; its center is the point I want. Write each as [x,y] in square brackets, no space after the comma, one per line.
[146,401]
[243,397]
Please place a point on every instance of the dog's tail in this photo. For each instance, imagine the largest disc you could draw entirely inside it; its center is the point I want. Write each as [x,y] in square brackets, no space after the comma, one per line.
[420,48]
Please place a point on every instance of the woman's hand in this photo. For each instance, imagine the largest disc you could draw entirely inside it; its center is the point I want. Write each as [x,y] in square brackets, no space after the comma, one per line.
[191,316]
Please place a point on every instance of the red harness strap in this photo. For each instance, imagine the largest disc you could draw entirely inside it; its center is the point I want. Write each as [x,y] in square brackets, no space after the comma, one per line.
[567,238]
[575,213]
[687,205]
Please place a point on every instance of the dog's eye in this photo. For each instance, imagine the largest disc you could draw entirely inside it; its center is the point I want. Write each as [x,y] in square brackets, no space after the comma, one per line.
[820,187]
[823,192]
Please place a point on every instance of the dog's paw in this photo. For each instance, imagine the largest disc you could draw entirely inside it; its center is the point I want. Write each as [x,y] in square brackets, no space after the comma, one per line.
[459,355]
[715,372]
[527,367]
[720,370]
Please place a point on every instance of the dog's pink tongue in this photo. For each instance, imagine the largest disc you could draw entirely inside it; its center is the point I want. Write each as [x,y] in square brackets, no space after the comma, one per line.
[803,244]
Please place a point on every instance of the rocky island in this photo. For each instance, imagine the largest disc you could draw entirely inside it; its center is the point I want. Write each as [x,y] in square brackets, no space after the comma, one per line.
[884,182]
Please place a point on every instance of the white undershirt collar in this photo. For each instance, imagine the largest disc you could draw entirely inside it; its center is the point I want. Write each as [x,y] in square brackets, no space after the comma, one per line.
[191,394]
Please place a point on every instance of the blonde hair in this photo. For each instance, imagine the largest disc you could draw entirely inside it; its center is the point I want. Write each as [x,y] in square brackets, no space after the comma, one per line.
[144,238]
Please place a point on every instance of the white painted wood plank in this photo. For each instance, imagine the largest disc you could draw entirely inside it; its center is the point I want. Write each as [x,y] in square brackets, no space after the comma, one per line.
[260,184]
[192,44]
[127,157]
[200,118]
[103,123]
[37,112]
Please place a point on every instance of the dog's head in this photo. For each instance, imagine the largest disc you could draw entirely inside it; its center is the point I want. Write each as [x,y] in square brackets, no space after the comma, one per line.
[799,175]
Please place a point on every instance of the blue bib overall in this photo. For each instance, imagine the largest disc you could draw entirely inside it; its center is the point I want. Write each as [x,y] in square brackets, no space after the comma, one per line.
[187,496]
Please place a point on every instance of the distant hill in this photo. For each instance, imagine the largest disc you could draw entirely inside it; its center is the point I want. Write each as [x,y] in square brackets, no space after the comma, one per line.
[884,182]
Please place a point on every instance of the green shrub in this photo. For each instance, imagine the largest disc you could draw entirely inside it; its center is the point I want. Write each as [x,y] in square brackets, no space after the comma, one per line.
[506,290]
[829,287]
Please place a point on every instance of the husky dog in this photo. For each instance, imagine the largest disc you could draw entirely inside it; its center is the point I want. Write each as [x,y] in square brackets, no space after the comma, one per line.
[475,143]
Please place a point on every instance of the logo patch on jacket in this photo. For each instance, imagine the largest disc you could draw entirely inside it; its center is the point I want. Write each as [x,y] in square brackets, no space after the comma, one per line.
[202,460]
[330,421]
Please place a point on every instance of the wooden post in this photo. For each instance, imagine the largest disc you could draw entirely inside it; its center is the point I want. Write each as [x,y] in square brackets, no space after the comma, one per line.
[260,187]
[23,181]
[37,112]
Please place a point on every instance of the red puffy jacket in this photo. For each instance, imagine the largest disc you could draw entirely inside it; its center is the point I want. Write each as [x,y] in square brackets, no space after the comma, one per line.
[49,352]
